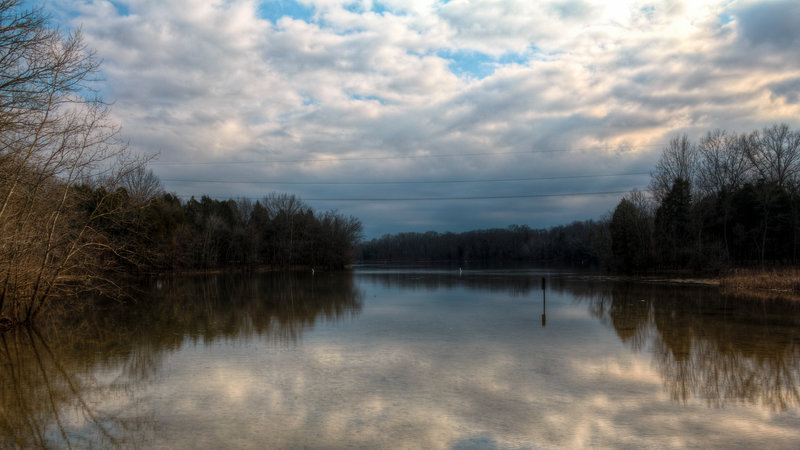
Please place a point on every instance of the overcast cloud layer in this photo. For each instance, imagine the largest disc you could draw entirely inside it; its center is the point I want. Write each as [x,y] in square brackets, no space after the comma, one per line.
[333,100]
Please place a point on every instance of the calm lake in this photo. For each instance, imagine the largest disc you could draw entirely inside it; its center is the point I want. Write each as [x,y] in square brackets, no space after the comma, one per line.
[407,358]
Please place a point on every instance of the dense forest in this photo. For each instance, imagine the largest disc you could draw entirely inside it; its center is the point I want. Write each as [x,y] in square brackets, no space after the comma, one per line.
[728,200]
[278,231]
[580,243]
[79,210]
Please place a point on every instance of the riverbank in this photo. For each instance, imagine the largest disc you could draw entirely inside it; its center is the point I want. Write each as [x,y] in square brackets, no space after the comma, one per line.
[262,268]
[776,282]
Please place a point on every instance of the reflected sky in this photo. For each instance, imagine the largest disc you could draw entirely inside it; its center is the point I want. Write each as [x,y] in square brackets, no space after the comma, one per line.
[434,360]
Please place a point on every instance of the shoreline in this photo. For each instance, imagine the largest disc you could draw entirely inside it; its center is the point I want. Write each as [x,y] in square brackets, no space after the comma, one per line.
[248,269]
[776,282]
[710,281]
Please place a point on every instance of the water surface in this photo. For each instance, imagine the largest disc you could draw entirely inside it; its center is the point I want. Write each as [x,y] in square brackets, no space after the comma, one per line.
[407,358]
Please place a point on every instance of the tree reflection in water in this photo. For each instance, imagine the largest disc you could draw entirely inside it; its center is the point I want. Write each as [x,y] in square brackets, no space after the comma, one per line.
[48,400]
[53,377]
[515,282]
[715,347]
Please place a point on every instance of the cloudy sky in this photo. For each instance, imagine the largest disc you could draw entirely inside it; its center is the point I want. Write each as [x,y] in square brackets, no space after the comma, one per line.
[417,115]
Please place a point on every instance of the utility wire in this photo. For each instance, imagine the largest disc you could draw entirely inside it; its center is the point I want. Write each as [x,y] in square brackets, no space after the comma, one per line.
[383,158]
[415,199]
[488,197]
[499,180]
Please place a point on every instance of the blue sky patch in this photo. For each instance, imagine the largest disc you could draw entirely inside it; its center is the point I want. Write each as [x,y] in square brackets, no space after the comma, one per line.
[309,100]
[648,11]
[473,64]
[512,58]
[273,10]
[354,7]
[367,98]
[379,8]
[358,8]
[469,64]
[122,8]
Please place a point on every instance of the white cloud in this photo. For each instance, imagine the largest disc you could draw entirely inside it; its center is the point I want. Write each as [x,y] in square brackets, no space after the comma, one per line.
[215,82]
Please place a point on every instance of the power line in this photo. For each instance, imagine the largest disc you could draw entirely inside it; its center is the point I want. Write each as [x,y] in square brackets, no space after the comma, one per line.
[383,158]
[416,199]
[488,197]
[498,180]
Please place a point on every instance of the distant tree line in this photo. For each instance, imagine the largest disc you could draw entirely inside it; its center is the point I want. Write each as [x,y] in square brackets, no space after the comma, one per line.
[728,200]
[584,243]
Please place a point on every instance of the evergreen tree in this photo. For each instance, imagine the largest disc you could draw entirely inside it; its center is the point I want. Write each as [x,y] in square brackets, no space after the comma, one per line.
[673,225]
[630,237]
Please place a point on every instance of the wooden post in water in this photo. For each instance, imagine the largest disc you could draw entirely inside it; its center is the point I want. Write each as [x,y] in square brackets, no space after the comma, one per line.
[544,304]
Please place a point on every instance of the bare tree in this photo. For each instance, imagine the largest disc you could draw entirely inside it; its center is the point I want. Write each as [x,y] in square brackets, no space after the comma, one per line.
[723,161]
[282,209]
[141,184]
[244,209]
[678,161]
[54,136]
[277,203]
[776,154]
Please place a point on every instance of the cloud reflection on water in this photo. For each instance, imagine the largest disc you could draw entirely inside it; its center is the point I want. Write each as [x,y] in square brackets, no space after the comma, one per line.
[237,362]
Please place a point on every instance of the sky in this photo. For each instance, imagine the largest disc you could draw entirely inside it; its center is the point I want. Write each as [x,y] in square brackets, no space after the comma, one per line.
[420,115]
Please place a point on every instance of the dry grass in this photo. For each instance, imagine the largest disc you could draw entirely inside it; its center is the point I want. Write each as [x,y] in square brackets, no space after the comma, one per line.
[783,280]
